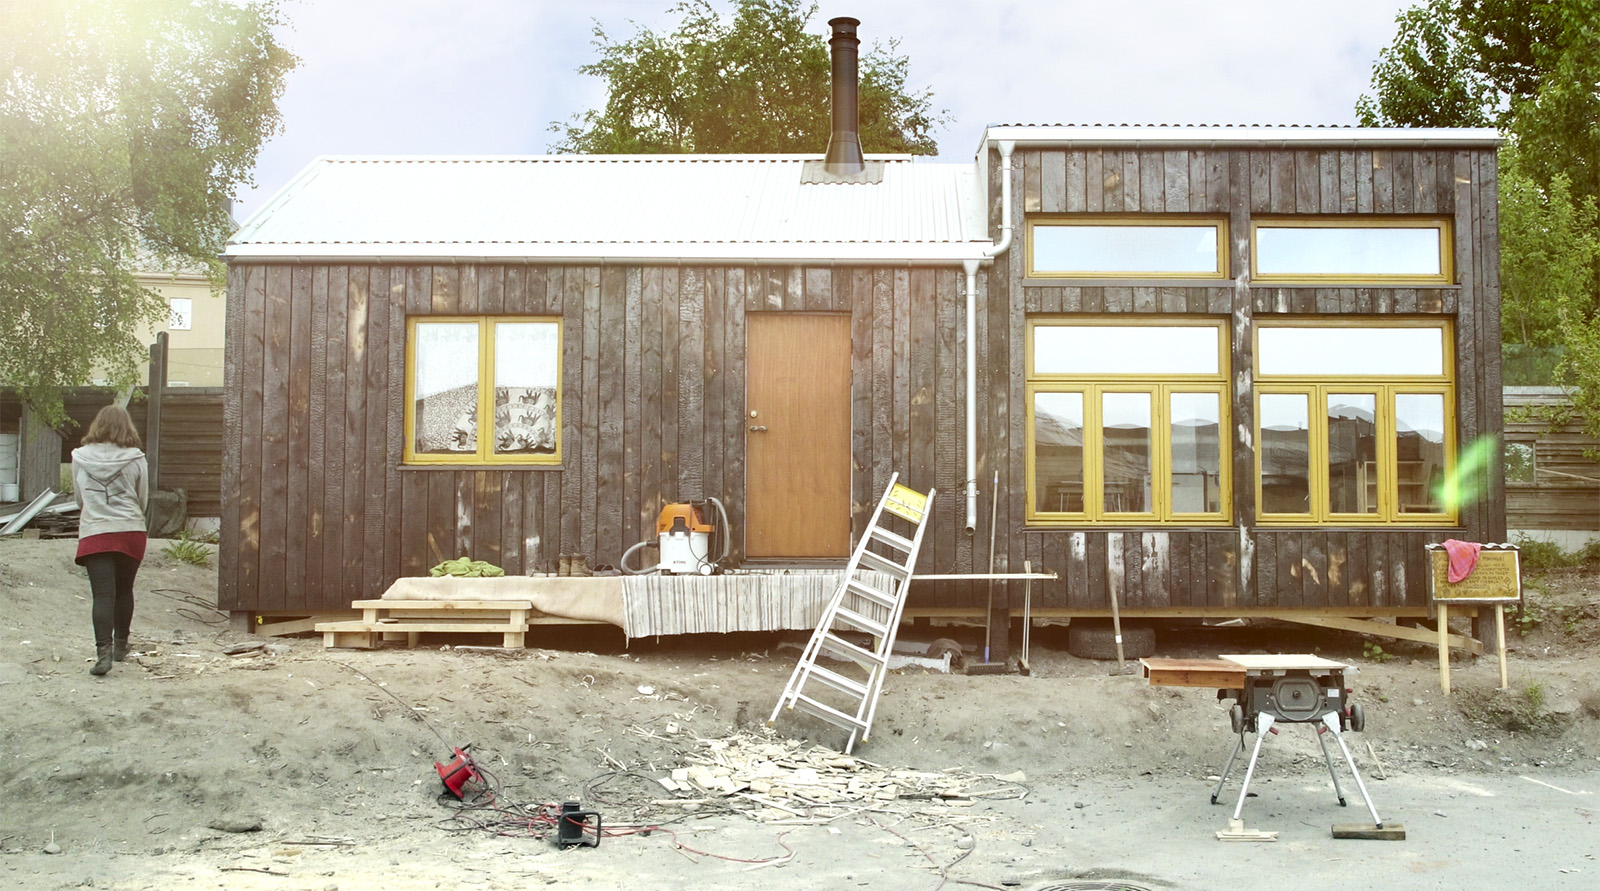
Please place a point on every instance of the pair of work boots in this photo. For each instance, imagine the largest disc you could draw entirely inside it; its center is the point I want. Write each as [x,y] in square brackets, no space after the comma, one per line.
[104,656]
[574,565]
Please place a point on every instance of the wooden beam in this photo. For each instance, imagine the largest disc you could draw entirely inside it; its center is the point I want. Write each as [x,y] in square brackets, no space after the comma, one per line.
[1384,629]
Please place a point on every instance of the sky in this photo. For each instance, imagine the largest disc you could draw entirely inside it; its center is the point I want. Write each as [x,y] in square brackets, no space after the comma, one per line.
[410,77]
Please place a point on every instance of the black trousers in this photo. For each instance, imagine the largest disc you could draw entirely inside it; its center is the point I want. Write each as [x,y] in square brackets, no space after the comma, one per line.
[111,581]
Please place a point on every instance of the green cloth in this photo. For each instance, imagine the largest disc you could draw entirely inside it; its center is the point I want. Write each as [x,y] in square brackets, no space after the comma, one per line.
[467,568]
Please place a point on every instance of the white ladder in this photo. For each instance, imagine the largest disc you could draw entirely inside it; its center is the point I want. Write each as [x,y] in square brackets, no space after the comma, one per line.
[847,697]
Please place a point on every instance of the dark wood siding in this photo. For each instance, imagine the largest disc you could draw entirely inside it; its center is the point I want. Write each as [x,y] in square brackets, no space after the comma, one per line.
[1351,570]
[653,407]
[1566,491]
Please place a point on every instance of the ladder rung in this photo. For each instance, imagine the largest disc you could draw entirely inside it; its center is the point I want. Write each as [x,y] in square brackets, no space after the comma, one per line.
[826,712]
[871,560]
[841,647]
[837,681]
[898,542]
[880,597]
[860,622]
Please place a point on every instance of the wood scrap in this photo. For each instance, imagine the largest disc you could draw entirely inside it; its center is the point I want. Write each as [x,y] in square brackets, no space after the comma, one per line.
[793,782]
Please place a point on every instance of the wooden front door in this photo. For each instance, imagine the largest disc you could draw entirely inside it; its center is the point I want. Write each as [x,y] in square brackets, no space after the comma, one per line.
[797,435]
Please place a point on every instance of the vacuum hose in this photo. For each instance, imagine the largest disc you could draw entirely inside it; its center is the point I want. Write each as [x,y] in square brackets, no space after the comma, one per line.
[623,563]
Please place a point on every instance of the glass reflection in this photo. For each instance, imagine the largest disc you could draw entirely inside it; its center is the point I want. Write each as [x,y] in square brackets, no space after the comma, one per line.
[1125,433]
[445,388]
[1285,453]
[1347,251]
[1521,464]
[525,395]
[1419,451]
[1126,349]
[1196,453]
[1303,352]
[1119,250]
[1058,452]
[1352,453]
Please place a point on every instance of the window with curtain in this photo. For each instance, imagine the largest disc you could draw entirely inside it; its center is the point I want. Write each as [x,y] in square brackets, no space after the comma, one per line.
[483,390]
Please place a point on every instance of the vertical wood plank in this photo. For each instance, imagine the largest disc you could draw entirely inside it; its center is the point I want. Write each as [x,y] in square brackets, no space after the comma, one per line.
[900,367]
[634,528]
[1307,182]
[1074,189]
[394,420]
[568,282]
[610,427]
[1029,162]
[1094,181]
[352,521]
[652,385]
[862,388]
[921,466]
[1152,180]
[274,440]
[588,284]
[298,468]
[1175,185]
[375,516]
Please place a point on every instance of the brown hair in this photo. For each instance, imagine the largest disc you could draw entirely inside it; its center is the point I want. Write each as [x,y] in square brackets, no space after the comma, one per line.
[113,425]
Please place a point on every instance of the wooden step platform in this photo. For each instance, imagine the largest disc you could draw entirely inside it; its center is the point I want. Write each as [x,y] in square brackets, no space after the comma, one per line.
[407,620]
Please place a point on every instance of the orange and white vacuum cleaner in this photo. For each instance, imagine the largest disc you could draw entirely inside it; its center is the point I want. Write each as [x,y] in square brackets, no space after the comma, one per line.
[686,533]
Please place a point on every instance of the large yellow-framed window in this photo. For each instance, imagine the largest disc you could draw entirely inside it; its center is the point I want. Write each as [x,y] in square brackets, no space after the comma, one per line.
[1354,421]
[1127,246]
[1351,250]
[1127,421]
[483,390]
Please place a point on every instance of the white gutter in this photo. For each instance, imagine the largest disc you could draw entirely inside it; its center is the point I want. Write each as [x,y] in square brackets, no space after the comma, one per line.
[1006,146]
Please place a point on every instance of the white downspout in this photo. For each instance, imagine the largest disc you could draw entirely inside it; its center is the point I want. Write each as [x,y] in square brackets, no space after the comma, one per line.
[1005,146]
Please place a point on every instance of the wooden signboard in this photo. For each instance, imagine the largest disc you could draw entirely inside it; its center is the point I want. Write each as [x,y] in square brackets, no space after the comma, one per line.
[1496,579]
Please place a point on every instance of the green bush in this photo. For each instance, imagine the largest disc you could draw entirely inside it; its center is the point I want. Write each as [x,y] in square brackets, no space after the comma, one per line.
[1541,555]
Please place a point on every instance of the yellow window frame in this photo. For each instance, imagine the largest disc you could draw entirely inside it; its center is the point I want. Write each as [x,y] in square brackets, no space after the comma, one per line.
[1160,388]
[485,454]
[1445,276]
[1385,388]
[1151,220]
[1160,395]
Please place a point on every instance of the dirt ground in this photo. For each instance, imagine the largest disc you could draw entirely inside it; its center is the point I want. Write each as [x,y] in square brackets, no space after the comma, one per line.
[143,778]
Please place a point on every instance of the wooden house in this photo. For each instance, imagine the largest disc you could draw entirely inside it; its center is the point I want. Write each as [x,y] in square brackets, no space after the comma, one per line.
[1216,371]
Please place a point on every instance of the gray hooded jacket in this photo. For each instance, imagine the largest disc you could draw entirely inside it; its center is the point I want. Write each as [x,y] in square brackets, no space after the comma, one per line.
[112,486]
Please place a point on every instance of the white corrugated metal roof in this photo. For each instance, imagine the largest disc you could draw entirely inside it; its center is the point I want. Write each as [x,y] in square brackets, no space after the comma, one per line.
[616,207]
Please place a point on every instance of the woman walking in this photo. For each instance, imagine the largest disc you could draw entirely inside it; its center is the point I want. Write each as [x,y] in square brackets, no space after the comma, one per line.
[111,482]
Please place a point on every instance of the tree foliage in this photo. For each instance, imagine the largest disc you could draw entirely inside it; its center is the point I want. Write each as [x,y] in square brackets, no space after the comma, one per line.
[756,83]
[1532,69]
[125,128]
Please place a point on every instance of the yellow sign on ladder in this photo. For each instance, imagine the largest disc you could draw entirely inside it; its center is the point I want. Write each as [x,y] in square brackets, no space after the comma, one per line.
[906,503]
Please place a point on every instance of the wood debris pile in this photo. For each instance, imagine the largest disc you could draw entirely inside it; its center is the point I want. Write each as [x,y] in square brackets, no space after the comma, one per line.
[787,781]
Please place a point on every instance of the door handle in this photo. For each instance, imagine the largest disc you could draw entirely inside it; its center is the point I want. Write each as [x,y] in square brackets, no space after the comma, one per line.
[754,428]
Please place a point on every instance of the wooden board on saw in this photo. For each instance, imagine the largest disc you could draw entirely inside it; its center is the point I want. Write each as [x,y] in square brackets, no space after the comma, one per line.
[1218,674]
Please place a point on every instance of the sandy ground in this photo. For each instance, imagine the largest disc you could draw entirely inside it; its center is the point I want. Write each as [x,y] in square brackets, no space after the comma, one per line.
[138,780]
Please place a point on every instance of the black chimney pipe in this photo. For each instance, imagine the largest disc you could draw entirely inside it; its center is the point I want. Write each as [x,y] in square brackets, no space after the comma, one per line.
[844,147]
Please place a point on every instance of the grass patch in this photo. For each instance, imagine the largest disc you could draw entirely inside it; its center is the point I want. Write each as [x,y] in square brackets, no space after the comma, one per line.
[192,551]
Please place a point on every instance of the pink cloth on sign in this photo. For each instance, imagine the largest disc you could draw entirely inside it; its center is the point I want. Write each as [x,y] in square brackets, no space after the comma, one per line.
[1463,558]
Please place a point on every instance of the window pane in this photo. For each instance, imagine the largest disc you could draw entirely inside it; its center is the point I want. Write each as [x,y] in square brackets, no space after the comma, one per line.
[1419,451]
[1302,352]
[1352,453]
[525,357]
[1058,452]
[1196,453]
[1285,454]
[1119,250]
[1125,349]
[445,387]
[1520,463]
[1347,251]
[1125,431]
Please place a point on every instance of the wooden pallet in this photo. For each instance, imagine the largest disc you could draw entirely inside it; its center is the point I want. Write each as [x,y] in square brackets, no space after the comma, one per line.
[407,620]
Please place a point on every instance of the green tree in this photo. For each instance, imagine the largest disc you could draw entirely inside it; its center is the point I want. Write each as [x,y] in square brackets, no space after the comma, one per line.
[757,83]
[125,128]
[1529,68]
